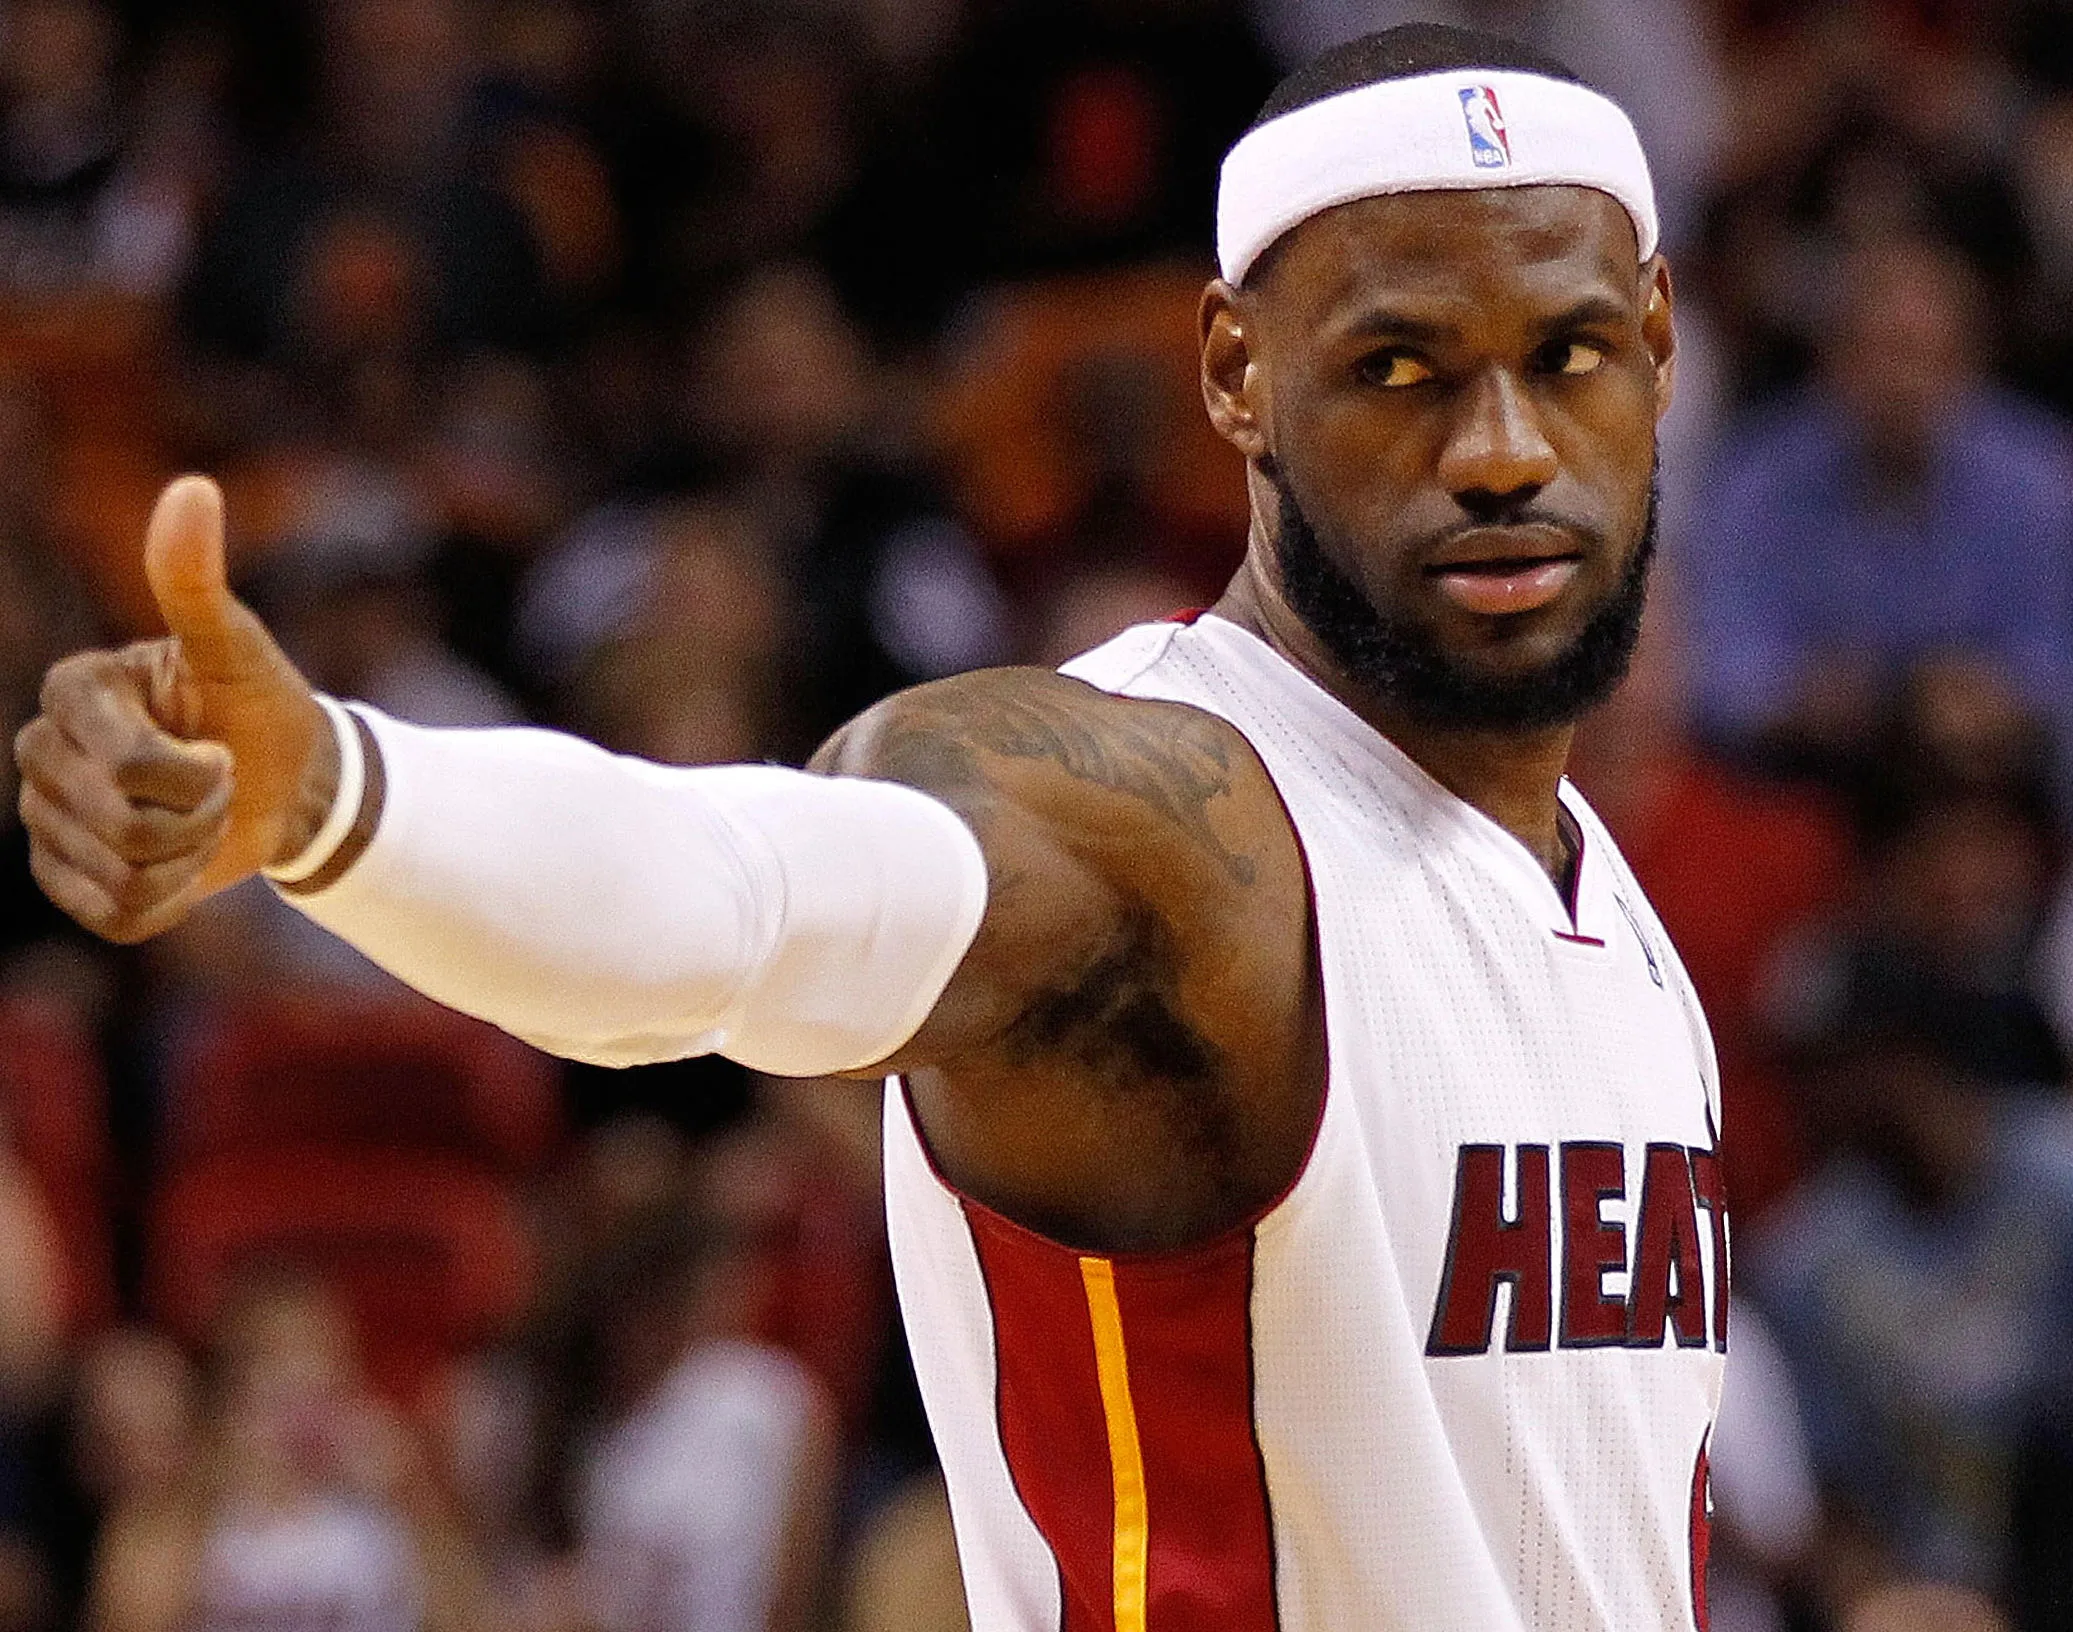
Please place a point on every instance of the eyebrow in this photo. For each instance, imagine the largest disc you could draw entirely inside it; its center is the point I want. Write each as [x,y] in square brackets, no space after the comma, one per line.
[1387,325]
[1592,311]
[1383,324]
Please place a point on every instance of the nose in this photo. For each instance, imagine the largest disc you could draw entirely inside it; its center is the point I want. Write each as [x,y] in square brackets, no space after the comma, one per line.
[1496,458]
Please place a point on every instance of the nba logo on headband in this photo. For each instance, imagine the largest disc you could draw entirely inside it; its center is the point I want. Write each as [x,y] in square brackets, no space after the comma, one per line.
[1400,136]
[1489,148]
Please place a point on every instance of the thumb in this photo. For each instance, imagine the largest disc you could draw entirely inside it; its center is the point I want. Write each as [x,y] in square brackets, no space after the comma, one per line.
[183,559]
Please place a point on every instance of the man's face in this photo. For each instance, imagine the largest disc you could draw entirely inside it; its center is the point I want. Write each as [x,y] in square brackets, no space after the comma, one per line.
[1907,348]
[1454,399]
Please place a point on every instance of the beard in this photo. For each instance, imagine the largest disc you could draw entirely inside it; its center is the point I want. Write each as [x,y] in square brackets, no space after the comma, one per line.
[1403,665]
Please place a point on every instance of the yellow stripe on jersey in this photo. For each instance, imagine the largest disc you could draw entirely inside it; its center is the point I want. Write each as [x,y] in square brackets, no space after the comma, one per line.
[1126,1458]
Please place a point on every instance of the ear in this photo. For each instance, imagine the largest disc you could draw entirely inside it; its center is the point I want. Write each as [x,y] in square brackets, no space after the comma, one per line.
[1231,384]
[1659,329]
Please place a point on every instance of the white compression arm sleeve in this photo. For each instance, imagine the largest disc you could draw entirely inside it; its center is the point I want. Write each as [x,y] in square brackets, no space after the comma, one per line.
[617,911]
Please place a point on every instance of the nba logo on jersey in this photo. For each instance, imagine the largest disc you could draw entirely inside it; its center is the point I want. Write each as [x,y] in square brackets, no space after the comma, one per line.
[1488,145]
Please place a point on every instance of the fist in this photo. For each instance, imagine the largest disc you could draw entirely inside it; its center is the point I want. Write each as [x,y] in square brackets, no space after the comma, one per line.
[159,774]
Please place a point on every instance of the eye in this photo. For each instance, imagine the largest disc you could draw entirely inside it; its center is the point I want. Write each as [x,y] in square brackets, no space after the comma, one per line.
[1571,357]
[1394,370]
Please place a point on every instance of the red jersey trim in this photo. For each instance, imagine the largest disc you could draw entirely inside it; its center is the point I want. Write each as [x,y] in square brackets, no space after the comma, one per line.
[1125,1412]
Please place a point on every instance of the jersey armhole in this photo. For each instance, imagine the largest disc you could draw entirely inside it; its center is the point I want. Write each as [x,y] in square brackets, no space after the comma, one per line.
[1211,1247]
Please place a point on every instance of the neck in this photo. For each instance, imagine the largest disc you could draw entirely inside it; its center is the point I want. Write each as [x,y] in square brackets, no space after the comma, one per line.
[1510,776]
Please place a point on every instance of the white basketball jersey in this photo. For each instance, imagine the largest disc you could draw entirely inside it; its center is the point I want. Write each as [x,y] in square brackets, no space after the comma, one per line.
[1462,1375]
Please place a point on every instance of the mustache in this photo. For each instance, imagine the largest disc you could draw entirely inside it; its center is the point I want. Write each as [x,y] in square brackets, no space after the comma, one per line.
[1481,513]
[1588,537]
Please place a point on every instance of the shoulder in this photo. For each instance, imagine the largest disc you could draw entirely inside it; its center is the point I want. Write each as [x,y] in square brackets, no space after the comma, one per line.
[1094,767]
[1004,711]
[1124,838]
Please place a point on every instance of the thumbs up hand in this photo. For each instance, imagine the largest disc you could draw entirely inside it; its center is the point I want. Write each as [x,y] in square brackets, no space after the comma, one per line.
[161,773]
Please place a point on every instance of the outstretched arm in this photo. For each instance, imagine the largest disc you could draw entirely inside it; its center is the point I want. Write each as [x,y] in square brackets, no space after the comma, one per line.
[603,907]
[611,909]
[1086,913]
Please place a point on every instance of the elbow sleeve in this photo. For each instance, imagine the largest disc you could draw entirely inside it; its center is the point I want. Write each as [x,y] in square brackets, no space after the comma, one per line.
[618,911]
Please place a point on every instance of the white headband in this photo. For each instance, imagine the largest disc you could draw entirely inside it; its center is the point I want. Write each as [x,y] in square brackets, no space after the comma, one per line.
[1474,128]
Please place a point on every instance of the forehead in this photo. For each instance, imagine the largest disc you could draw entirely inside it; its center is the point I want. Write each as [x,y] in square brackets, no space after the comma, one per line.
[1450,256]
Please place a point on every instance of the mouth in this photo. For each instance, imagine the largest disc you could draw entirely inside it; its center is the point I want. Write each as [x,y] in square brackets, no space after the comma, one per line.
[1502,571]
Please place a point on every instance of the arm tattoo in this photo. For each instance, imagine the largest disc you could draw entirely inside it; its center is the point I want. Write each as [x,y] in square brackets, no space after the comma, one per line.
[924,750]
[1176,771]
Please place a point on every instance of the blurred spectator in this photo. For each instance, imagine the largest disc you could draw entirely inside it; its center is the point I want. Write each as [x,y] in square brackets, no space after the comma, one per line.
[32,1316]
[1901,506]
[306,1502]
[663,631]
[95,180]
[695,1463]
[44,613]
[543,68]
[904,1575]
[1921,1285]
[785,390]
[1916,1607]
[135,1415]
[1962,844]
[1954,898]
[1072,426]
[349,258]
[1958,725]
[60,141]
[776,98]
[695,676]
[135,1425]
[796,1187]
[501,470]
[1882,119]
[1091,131]
[793,413]
[348,596]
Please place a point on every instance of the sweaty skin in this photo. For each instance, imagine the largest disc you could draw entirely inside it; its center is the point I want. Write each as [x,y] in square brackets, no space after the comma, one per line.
[1131,1055]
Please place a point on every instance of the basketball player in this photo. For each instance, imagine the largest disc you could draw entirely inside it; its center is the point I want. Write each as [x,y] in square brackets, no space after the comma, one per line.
[1300,1135]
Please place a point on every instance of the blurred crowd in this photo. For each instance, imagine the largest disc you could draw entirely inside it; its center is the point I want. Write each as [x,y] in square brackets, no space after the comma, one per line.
[689,374]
